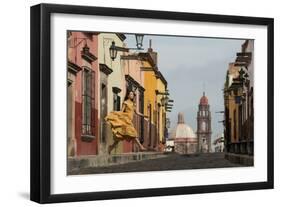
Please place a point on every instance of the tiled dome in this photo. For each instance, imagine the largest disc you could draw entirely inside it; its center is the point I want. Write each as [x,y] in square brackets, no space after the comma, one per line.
[182,130]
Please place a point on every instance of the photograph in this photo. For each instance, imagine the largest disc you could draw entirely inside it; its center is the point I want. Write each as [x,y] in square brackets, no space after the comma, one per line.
[129,103]
[156,102]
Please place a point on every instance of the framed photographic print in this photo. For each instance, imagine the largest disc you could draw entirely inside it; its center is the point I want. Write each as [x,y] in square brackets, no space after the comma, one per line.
[133,103]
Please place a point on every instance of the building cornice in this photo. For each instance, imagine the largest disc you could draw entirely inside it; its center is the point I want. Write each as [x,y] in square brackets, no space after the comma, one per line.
[116,90]
[87,55]
[105,69]
[160,75]
[121,36]
[147,57]
[130,57]
[73,68]
[130,79]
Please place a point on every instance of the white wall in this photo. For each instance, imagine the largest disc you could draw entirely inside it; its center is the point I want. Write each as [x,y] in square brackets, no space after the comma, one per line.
[116,78]
[14,110]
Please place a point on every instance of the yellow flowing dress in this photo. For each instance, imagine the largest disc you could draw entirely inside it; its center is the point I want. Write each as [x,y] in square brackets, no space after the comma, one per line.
[122,122]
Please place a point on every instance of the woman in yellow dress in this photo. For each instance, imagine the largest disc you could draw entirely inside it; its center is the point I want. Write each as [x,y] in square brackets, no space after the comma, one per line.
[122,123]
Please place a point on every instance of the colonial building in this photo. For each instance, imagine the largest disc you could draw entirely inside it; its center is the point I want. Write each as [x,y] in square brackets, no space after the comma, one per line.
[162,97]
[185,140]
[204,129]
[150,104]
[134,78]
[169,145]
[155,96]
[239,107]
[232,109]
[219,143]
[82,98]
[112,87]
[97,85]
[137,72]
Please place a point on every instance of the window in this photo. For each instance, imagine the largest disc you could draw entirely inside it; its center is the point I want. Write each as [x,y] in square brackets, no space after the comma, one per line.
[103,103]
[116,99]
[203,126]
[116,102]
[87,101]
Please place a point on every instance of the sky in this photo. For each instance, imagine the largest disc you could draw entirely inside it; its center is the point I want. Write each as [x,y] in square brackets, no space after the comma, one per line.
[192,65]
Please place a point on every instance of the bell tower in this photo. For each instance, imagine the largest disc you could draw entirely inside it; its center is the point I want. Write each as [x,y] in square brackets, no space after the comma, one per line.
[204,130]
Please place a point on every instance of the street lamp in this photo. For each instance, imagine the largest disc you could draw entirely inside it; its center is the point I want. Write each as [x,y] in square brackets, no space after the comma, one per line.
[114,49]
[139,39]
[164,100]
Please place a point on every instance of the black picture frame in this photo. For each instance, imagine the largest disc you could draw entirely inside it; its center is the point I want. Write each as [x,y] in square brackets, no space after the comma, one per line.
[41,102]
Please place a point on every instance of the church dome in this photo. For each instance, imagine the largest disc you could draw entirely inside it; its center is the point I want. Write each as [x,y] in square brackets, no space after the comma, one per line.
[204,100]
[182,130]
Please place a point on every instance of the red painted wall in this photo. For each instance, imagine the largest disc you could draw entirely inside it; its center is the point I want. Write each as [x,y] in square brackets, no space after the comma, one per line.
[127,146]
[78,40]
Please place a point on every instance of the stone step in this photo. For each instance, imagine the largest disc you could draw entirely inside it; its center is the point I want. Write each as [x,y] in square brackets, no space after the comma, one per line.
[76,163]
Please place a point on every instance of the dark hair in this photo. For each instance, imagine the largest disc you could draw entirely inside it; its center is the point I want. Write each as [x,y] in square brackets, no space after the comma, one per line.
[128,92]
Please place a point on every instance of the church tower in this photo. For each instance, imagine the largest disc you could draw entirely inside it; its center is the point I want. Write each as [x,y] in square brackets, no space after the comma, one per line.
[204,130]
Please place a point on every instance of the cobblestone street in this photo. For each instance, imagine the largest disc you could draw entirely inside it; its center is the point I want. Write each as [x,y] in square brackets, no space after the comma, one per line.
[171,162]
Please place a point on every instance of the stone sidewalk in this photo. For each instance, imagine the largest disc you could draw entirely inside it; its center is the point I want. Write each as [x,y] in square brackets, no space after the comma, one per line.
[171,161]
[75,164]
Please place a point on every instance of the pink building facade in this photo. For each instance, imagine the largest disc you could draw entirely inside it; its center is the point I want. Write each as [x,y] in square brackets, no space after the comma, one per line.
[82,85]
[134,78]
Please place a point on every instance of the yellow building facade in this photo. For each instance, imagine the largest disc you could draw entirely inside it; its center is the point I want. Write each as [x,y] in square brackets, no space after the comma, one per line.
[232,108]
[161,93]
[155,87]
[150,101]
[239,116]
